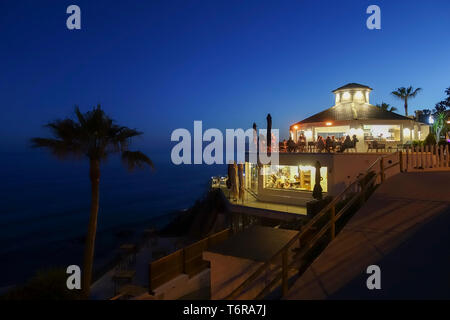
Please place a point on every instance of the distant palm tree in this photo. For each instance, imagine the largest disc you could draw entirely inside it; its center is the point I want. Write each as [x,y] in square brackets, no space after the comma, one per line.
[386,107]
[404,94]
[95,136]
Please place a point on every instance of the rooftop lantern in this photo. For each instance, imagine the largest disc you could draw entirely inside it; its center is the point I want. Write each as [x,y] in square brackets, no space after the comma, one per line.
[352,93]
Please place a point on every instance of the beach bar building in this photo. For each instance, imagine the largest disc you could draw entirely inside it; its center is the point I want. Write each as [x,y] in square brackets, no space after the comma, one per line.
[292,180]
[353,114]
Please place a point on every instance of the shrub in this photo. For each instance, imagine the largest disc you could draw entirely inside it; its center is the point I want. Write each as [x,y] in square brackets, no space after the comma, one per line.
[430,139]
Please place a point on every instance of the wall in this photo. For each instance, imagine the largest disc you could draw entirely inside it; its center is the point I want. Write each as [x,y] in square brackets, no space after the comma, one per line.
[348,166]
[228,272]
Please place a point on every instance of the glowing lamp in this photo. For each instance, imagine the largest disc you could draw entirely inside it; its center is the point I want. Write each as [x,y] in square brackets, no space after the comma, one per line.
[295,127]
[328,123]
[358,95]
[346,96]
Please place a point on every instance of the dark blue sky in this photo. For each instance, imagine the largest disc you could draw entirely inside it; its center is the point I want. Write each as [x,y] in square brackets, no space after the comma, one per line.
[160,65]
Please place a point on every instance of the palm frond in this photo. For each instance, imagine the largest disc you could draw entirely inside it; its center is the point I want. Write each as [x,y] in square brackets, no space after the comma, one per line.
[59,148]
[136,159]
[414,93]
[393,109]
[80,116]
[93,134]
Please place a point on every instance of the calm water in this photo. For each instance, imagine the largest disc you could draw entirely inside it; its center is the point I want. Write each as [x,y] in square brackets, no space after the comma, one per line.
[44,207]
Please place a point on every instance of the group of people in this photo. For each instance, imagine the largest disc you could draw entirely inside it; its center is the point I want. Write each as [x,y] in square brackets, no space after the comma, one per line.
[330,144]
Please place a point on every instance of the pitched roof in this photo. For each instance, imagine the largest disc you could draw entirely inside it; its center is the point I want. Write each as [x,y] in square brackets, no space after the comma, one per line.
[360,112]
[352,86]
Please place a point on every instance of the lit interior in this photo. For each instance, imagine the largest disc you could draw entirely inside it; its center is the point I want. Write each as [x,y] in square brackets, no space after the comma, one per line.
[358,95]
[299,178]
[382,132]
[346,96]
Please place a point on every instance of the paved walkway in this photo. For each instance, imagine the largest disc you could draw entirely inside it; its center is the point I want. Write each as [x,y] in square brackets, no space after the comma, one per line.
[404,228]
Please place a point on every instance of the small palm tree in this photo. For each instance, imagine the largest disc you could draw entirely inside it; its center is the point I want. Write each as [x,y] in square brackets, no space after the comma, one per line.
[406,93]
[95,136]
[386,107]
[439,125]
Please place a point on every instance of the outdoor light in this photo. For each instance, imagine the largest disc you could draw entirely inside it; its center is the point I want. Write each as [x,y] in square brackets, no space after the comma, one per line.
[430,119]
[328,123]
[346,95]
[295,127]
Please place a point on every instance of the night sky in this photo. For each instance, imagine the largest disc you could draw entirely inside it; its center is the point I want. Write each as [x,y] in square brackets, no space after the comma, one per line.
[160,65]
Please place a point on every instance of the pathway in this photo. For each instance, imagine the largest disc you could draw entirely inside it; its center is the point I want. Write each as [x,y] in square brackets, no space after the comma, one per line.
[404,228]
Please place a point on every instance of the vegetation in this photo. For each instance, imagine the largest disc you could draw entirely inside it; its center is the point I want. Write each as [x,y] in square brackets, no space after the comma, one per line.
[201,219]
[440,125]
[430,140]
[95,136]
[45,285]
[443,105]
[405,94]
[386,107]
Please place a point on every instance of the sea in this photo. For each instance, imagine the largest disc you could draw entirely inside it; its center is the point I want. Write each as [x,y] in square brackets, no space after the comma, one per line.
[45,202]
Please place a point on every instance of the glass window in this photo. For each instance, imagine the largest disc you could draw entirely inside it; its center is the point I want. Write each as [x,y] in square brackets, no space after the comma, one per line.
[299,178]
[382,132]
[253,177]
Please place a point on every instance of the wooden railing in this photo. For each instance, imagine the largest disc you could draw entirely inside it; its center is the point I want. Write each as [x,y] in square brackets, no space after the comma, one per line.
[309,235]
[188,261]
[426,157]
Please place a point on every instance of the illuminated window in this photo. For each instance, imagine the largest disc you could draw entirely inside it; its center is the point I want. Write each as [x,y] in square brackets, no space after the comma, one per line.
[382,132]
[308,134]
[346,96]
[358,95]
[296,178]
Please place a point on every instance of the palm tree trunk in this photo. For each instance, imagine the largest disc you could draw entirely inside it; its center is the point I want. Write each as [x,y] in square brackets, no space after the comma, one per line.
[406,106]
[94,173]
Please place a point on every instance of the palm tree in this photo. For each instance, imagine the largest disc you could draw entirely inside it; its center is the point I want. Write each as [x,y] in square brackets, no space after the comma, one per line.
[405,93]
[386,107]
[96,136]
[439,125]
